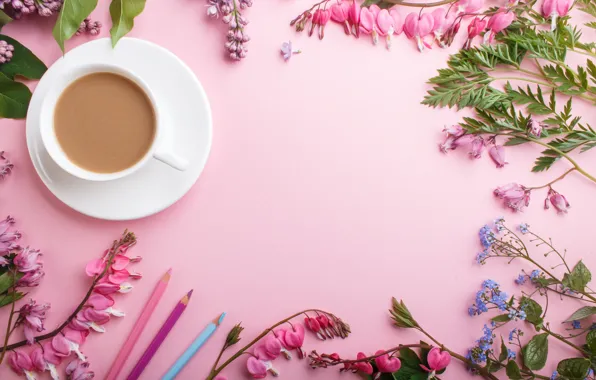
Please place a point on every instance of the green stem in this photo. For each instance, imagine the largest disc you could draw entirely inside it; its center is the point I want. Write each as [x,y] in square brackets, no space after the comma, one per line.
[583,96]
[551,182]
[481,370]
[9,328]
[560,338]
[217,370]
[589,54]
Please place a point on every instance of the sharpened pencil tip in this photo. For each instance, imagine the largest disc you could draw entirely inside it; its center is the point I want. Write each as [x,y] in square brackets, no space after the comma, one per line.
[190,293]
[167,275]
[219,320]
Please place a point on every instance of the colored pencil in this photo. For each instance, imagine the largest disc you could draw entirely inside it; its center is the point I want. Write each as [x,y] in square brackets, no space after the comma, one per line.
[160,337]
[140,324]
[193,348]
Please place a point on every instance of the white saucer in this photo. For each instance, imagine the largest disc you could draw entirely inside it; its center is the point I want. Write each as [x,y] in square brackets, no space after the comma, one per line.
[156,186]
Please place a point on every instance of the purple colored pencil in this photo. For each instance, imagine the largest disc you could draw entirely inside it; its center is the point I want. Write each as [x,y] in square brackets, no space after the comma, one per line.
[159,337]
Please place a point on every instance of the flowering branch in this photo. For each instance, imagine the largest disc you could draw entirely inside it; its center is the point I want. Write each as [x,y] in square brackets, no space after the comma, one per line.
[276,342]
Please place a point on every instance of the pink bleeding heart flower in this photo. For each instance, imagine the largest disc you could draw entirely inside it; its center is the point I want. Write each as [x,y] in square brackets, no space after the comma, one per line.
[258,369]
[119,276]
[558,201]
[437,360]
[280,336]
[31,317]
[385,25]
[27,260]
[340,14]
[354,18]
[95,267]
[497,153]
[100,301]
[78,370]
[51,360]
[368,24]
[67,342]
[21,364]
[37,359]
[477,147]
[555,8]
[418,26]
[104,287]
[387,364]
[313,325]
[120,261]
[326,325]
[293,339]
[398,21]
[497,23]
[269,349]
[442,22]
[364,367]
[468,6]
[514,196]
[319,19]
[475,27]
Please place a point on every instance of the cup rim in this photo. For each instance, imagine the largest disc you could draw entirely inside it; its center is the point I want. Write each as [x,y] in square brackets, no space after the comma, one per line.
[47,130]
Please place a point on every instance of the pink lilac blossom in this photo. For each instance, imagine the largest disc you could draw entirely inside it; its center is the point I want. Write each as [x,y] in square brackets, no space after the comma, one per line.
[88,26]
[230,12]
[17,8]
[6,166]
[31,317]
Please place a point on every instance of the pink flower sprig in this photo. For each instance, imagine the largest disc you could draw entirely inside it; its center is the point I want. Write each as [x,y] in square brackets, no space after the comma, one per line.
[109,273]
[230,12]
[5,165]
[280,339]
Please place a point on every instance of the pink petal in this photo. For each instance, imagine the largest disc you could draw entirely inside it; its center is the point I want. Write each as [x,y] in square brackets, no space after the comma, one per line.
[49,354]
[60,345]
[374,9]
[95,267]
[256,368]
[37,359]
[384,22]
[439,20]
[548,7]
[100,302]
[367,21]
[120,262]
[118,277]
[77,337]
[398,22]
[97,316]
[425,25]
[411,25]
[562,7]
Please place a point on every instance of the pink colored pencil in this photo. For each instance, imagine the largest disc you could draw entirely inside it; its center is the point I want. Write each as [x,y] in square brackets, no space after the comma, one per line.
[159,337]
[134,335]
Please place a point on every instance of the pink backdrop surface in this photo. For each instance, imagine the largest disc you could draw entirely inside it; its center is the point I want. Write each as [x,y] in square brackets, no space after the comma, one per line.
[324,188]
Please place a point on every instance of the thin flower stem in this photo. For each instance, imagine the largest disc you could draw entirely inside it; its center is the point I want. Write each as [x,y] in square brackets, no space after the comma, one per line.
[372,357]
[549,185]
[562,339]
[117,244]
[9,324]
[553,249]
[481,370]
[217,370]
[225,347]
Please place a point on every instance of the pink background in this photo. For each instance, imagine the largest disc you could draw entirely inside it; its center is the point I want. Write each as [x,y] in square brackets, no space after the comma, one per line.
[324,188]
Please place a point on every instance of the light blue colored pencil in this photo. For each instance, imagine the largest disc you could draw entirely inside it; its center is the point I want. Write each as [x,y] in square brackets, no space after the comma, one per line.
[193,348]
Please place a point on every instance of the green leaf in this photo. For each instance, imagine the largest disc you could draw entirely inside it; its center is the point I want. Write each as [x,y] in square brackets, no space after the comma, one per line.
[7,299]
[535,352]
[579,277]
[582,313]
[14,98]
[409,358]
[515,141]
[71,15]
[532,309]
[573,369]
[401,315]
[407,373]
[503,354]
[544,163]
[23,62]
[5,282]
[512,371]
[123,13]
[591,341]
[501,318]
[4,19]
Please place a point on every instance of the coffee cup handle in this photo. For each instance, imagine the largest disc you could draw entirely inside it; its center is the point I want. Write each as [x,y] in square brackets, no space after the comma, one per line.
[171,159]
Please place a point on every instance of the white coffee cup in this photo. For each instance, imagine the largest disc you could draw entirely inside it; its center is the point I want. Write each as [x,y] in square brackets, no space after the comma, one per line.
[158,149]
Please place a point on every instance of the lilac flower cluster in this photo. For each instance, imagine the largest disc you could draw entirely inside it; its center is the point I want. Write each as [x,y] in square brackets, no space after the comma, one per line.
[5,165]
[19,8]
[25,260]
[6,51]
[230,12]
[88,26]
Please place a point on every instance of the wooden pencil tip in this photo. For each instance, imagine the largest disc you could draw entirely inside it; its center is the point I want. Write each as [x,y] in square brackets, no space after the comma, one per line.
[190,293]
[166,277]
[186,299]
[217,321]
